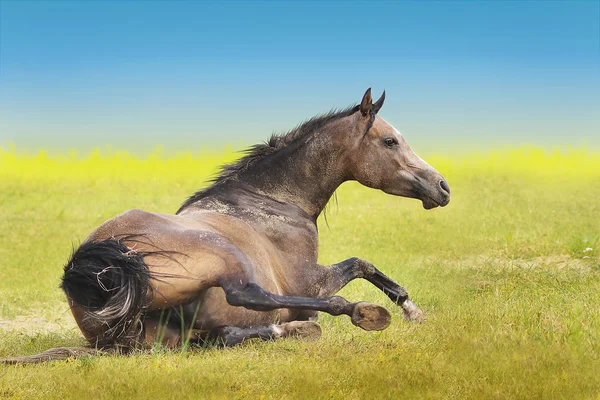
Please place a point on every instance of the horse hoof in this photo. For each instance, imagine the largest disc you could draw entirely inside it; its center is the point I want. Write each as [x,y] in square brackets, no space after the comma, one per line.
[370,317]
[304,330]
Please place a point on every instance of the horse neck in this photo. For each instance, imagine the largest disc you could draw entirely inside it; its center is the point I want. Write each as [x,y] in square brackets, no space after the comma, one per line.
[304,174]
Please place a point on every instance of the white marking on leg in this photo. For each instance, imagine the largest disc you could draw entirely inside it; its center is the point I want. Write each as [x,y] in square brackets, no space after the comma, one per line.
[409,306]
[412,312]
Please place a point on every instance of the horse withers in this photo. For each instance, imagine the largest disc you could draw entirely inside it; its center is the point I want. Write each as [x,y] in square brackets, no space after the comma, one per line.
[239,259]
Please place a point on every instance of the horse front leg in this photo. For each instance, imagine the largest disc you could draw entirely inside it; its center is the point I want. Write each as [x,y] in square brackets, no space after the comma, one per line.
[338,275]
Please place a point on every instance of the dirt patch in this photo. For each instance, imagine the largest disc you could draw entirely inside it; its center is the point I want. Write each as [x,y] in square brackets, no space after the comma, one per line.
[495,261]
[555,262]
[34,324]
[563,261]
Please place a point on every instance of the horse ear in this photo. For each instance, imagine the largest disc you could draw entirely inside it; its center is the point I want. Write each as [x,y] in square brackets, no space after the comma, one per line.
[366,103]
[379,103]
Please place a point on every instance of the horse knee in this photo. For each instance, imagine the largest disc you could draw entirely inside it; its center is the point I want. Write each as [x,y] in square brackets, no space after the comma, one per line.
[365,267]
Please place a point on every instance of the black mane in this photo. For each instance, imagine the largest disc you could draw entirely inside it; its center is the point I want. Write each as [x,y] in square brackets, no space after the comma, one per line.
[265,149]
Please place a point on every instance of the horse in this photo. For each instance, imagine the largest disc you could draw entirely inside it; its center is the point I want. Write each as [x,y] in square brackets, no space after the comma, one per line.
[239,259]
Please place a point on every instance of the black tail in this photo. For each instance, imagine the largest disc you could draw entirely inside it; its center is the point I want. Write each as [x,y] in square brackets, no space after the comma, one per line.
[110,281]
[58,353]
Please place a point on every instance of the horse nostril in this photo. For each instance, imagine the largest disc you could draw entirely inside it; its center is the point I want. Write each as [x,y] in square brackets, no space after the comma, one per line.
[444,186]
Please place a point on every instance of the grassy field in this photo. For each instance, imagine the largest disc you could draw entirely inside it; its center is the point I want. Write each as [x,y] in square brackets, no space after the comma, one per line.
[508,275]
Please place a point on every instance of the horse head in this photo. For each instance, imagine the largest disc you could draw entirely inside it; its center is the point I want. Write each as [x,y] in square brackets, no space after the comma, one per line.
[380,158]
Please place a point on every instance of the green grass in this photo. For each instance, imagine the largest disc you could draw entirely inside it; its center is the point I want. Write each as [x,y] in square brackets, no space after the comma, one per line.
[505,275]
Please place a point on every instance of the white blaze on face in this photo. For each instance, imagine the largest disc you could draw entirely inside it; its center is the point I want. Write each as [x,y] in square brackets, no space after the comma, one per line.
[412,159]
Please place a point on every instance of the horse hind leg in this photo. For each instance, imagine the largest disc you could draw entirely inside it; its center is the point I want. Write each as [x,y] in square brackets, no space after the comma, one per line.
[232,336]
[367,316]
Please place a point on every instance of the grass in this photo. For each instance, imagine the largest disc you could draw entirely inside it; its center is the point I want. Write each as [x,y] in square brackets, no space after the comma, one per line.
[508,274]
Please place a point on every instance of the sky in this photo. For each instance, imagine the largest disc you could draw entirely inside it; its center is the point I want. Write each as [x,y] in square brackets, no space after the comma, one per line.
[196,74]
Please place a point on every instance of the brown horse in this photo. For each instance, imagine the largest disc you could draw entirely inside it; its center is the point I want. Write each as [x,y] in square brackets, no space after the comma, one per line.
[239,258]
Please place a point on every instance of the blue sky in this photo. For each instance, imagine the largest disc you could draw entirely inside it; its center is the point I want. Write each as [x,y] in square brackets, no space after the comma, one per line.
[193,74]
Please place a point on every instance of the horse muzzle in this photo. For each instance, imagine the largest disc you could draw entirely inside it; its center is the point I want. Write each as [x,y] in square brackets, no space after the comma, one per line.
[435,194]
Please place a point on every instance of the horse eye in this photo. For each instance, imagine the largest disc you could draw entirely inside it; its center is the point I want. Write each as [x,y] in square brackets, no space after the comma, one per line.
[390,142]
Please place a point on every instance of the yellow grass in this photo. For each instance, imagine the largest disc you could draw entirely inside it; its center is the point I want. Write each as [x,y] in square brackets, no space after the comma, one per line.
[576,162]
